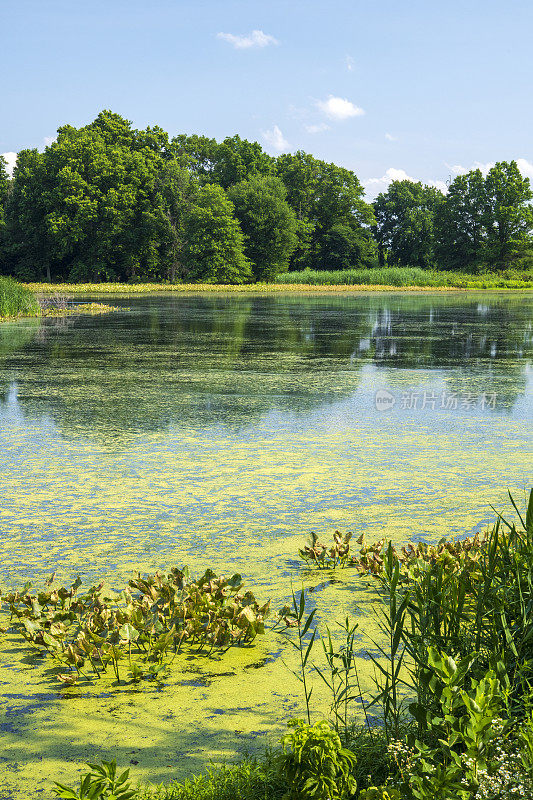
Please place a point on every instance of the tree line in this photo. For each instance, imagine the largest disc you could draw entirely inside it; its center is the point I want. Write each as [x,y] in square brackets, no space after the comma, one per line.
[109,202]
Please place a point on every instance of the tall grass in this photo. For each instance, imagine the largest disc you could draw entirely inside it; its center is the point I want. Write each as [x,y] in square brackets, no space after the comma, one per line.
[16,300]
[409,276]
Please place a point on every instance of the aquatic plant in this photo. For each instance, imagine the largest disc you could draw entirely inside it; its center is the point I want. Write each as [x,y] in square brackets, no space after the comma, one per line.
[60,305]
[324,557]
[294,617]
[87,633]
[16,300]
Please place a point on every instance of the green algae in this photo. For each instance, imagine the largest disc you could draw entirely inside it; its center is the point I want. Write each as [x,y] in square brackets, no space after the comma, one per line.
[217,433]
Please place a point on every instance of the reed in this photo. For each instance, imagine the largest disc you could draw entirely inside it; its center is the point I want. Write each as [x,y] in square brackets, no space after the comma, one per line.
[17,300]
[404,277]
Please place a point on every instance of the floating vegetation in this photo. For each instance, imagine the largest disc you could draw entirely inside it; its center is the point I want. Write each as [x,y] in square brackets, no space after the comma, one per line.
[59,305]
[142,627]
[456,554]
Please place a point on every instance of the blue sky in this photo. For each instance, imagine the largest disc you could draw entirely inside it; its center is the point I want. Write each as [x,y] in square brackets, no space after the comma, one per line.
[417,88]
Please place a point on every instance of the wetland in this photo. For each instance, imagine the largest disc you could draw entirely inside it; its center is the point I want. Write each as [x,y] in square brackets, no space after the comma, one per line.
[214,430]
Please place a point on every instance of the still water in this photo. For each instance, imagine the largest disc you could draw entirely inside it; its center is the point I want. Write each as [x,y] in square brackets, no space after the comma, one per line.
[217,430]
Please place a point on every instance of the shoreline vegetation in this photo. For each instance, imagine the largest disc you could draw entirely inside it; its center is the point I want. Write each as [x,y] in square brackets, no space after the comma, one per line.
[18,301]
[379,280]
[449,715]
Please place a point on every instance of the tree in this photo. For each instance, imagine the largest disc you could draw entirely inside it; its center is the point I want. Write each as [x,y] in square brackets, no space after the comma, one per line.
[460,223]
[225,163]
[91,206]
[324,197]
[268,223]
[214,243]
[508,216]
[404,223]
[4,187]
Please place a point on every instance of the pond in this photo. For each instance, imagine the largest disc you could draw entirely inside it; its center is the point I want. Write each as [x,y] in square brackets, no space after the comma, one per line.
[217,431]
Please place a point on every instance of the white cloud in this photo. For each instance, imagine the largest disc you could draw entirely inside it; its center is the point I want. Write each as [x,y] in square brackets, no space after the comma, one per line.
[390,138]
[525,167]
[376,185]
[440,185]
[317,128]
[48,140]
[350,63]
[458,169]
[253,39]
[339,108]
[11,160]
[392,174]
[275,139]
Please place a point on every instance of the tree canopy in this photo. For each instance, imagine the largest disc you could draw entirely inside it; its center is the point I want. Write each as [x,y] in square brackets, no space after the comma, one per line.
[109,202]
[268,223]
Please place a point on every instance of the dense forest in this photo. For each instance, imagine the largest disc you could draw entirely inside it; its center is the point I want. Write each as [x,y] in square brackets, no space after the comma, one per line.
[107,202]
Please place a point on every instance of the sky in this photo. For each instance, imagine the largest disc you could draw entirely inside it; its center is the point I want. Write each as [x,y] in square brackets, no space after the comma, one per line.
[423,89]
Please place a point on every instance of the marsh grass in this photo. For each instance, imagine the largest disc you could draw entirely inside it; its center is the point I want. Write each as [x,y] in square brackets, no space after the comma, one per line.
[403,277]
[17,300]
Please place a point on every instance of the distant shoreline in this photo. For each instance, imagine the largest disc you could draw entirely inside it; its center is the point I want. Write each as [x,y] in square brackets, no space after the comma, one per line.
[269,288]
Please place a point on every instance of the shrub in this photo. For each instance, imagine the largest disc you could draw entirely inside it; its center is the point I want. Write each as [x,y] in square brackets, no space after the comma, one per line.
[316,765]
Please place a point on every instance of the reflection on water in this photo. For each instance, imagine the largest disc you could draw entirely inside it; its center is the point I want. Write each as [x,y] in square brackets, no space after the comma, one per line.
[217,430]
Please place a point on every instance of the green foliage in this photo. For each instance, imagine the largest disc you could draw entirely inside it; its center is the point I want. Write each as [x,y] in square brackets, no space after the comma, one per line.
[214,246]
[459,223]
[411,276]
[4,189]
[251,779]
[323,557]
[87,634]
[379,793]
[342,677]
[479,221]
[294,617]
[335,222]
[100,783]
[316,765]
[268,223]
[225,163]
[16,299]
[508,213]
[404,223]
[462,726]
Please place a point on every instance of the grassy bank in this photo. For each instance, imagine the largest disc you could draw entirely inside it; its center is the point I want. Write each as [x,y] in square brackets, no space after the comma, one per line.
[350,280]
[402,277]
[17,300]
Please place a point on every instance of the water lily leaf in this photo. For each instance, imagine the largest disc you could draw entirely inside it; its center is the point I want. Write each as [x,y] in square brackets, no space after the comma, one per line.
[128,633]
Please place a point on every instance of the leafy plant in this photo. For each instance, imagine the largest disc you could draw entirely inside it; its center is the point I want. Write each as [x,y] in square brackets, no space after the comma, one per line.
[316,765]
[100,783]
[146,627]
[461,732]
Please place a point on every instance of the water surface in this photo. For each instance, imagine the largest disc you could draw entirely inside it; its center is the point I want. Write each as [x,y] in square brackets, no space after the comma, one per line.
[217,430]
